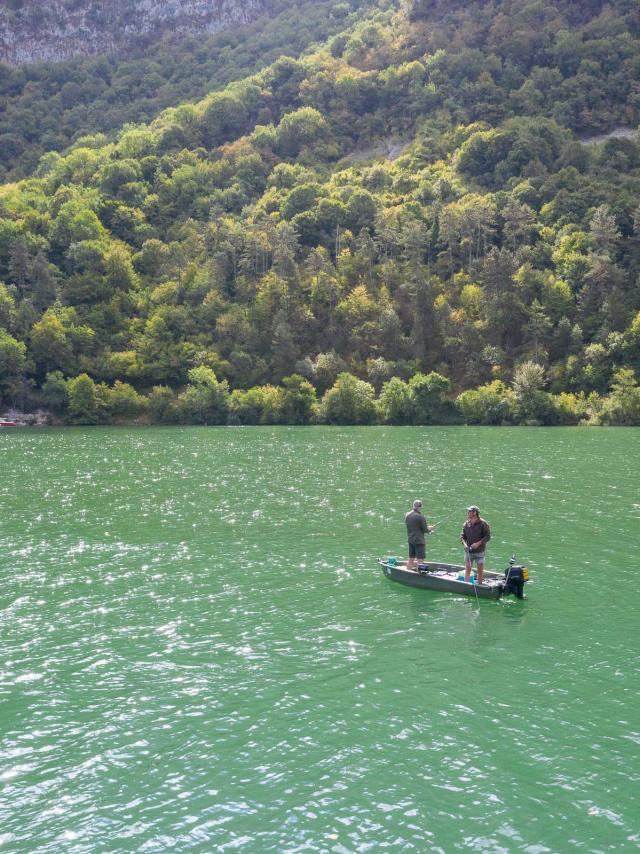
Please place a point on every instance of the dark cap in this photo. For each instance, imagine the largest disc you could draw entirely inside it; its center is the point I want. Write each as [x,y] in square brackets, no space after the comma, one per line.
[473,509]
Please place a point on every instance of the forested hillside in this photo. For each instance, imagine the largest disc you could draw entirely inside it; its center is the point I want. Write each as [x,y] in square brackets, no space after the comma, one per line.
[46,106]
[257,257]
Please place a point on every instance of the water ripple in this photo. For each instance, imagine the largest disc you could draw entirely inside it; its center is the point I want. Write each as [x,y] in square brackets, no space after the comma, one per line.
[200,654]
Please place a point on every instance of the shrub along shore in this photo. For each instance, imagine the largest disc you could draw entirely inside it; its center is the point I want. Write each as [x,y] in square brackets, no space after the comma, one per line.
[423,399]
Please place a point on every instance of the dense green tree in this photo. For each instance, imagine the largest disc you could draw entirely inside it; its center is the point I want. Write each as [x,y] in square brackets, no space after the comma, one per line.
[604,230]
[12,367]
[533,404]
[205,400]
[55,393]
[224,117]
[162,405]
[396,402]
[430,402]
[246,407]
[8,314]
[300,198]
[623,405]
[493,403]
[85,401]
[124,402]
[300,128]
[75,223]
[50,346]
[538,330]
[19,263]
[505,311]
[42,282]
[360,211]
[272,398]
[299,399]
[348,401]
[328,366]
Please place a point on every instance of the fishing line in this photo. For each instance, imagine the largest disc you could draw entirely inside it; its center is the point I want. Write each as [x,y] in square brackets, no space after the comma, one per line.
[453,512]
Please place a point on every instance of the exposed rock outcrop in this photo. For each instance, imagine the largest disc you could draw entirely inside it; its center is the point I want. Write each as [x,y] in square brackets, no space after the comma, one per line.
[33,31]
[620,132]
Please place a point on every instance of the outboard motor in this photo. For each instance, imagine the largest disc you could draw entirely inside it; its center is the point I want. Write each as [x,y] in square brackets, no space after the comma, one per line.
[514,579]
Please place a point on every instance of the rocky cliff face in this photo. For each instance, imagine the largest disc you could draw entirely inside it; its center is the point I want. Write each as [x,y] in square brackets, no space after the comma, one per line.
[54,30]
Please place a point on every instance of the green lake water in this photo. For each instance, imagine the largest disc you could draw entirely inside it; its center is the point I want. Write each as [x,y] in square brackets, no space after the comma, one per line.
[200,653]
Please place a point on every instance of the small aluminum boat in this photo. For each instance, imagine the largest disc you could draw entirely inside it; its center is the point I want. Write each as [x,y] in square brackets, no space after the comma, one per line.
[449,578]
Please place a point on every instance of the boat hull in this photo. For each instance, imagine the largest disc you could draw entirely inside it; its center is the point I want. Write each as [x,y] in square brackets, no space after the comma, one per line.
[443,577]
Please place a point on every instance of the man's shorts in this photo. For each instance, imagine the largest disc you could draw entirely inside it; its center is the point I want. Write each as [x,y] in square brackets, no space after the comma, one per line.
[477,557]
[416,550]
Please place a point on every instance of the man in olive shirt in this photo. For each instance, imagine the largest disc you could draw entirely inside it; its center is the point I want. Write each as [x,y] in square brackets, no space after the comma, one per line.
[474,537]
[416,529]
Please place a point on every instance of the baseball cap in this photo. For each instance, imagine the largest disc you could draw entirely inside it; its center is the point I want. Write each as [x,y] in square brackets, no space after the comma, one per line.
[474,508]
[417,503]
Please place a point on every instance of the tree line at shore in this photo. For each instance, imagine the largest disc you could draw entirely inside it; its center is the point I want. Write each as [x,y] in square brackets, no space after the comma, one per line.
[423,400]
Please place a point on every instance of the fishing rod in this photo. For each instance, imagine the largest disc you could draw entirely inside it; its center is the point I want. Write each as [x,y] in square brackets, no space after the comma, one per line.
[446,518]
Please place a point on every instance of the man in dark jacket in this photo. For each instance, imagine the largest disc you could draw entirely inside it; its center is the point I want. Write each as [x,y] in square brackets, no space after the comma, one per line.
[474,537]
[416,529]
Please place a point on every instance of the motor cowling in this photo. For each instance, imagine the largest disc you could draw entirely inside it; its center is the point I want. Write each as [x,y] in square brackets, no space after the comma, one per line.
[514,580]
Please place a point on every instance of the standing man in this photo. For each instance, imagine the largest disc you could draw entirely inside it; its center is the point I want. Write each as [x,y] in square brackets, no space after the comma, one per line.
[474,537]
[416,529]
